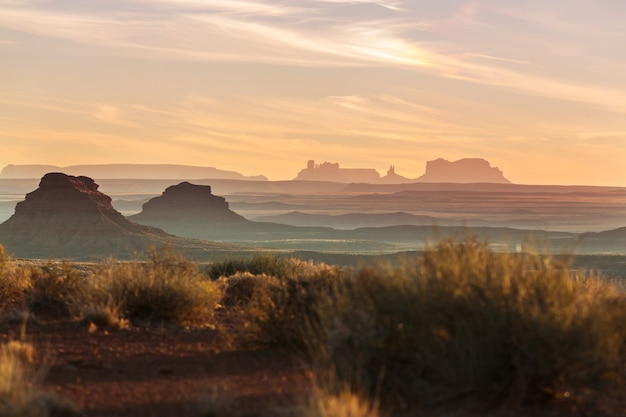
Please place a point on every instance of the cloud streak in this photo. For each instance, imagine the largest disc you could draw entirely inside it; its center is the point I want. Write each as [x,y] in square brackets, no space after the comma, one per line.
[366,79]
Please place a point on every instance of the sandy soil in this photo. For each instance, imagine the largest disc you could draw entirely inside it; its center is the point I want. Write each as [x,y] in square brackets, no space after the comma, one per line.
[165,371]
[161,371]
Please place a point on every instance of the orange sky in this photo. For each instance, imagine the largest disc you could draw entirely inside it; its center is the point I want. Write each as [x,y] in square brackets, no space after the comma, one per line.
[260,87]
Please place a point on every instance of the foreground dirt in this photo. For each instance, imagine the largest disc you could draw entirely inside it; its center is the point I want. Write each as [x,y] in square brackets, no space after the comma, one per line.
[161,371]
[165,371]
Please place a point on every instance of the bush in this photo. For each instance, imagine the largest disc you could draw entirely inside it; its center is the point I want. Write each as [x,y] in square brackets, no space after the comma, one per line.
[280,309]
[465,323]
[260,264]
[164,289]
[55,289]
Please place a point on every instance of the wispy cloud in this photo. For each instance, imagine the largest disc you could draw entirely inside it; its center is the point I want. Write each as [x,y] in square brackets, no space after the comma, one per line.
[364,79]
[471,41]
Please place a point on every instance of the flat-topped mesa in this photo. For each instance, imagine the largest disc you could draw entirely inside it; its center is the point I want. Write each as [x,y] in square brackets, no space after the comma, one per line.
[68,217]
[187,205]
[65,195]
[467,170]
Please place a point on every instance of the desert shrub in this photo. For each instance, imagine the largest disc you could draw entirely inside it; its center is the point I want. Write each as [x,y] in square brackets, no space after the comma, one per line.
[280,309]
[259,264]
[239,288]
[55,289]
[466,324]
[166,288]
[104,311]
[14,281]
[19,394]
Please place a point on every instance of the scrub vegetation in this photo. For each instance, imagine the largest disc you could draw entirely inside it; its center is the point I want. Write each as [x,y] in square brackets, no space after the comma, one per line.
[459,328]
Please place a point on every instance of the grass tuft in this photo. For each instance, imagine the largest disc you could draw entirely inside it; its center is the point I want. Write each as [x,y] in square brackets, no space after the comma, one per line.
[164,289]
[19,395]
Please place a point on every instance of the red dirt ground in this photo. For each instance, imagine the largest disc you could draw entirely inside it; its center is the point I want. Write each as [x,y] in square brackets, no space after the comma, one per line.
[161,371]
[165,371]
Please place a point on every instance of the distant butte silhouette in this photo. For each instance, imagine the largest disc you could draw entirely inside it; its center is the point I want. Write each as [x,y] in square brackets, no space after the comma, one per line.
[67,217]
[467,170]
[332,172]
[188,209]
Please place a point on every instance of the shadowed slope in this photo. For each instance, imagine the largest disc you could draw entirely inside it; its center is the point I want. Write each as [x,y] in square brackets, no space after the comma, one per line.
[189,210]
[68,217]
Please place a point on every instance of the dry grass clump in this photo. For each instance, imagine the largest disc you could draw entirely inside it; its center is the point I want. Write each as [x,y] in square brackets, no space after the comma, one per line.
[19,395]
[55,289]
[467,325]
[460,326]
[344,403]
[166,288]
[272,265]
[280,309]
[14,282]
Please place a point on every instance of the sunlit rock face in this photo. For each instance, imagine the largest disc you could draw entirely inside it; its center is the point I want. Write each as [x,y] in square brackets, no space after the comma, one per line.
[68,217]
[189,210]
[468,170]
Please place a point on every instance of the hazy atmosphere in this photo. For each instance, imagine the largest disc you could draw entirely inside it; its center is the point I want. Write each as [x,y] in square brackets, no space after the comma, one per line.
[537,88]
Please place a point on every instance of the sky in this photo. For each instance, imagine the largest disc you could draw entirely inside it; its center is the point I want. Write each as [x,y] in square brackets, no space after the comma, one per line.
[538,88]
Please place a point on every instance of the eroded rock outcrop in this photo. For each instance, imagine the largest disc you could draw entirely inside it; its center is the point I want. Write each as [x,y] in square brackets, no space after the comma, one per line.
[68,217]
[332,172]
[189,210]
[467,170]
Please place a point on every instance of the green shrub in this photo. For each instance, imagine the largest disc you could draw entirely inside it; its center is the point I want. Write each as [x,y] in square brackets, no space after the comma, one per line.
[55,289]
[280,309]
[259,264]
[467,324]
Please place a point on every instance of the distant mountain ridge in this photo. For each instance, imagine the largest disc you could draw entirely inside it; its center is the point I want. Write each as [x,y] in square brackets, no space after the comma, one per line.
[466,170]
[124,171]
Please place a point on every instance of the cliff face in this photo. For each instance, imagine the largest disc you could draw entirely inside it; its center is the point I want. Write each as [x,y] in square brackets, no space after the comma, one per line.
[68,217]
[468,170]
[188,210]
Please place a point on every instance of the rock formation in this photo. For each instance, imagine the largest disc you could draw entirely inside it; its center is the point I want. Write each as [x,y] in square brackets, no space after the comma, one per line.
[67,217]
[393,178]
[332,172]
[467,170]
[189,210]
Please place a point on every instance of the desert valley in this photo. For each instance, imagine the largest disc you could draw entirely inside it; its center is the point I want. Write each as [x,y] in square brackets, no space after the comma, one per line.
[193,296]
[312,208]
[325,212]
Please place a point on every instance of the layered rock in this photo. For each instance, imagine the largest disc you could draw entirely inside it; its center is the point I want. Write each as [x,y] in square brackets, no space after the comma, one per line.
[467,170]
[189,210]
[68,217]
